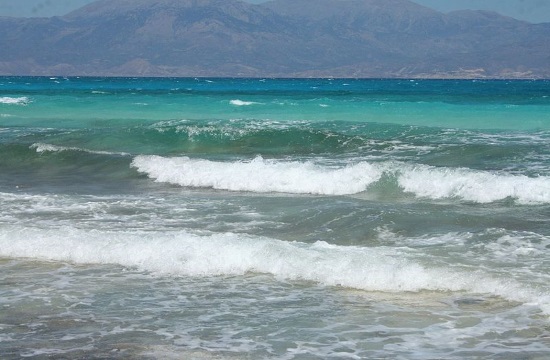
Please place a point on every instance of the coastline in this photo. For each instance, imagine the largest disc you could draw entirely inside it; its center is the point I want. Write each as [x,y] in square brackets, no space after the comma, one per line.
[466,75]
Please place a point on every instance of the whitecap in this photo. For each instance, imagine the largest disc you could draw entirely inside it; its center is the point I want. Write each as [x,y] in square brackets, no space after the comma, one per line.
[473,185]
[259,175]
[238,102]
[295,177]
[42,147]
[15,100]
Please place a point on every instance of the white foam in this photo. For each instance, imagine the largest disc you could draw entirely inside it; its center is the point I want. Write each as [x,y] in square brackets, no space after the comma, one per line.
[42,147]
[238,102]
[386,269]
[473,185]
[14,100]
[423,181]
[259,175]
[519,246]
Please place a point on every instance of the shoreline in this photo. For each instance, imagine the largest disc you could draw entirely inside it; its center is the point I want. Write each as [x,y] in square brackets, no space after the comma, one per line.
[272,77]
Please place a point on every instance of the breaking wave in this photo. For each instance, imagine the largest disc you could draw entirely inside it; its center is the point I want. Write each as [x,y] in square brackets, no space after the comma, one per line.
[228,254]
[262,176]
[42,147]
[238,102]
[15,100]
[259,175]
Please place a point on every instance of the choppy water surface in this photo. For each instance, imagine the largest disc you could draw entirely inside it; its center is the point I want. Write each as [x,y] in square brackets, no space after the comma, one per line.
[263,218]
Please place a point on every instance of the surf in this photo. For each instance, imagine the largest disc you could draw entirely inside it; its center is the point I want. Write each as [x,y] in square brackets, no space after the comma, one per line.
[261,175]
[182,253]
[258,175]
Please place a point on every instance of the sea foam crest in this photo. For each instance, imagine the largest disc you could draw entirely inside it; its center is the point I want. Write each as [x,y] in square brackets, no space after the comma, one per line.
[15,100]
[237,102]
[423,181]
[42,147]
[185,254]
[473,185]
[259,175]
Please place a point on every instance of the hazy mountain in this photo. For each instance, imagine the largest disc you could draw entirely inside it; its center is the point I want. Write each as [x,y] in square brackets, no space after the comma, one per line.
[349,38]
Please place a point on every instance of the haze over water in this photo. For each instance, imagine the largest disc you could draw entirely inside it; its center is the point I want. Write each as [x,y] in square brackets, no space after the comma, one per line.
[262,218]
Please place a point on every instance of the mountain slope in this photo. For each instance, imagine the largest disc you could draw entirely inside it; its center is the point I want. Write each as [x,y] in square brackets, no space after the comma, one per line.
[349,38]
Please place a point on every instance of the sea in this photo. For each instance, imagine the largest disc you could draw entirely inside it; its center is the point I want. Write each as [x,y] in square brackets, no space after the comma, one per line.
[227,218]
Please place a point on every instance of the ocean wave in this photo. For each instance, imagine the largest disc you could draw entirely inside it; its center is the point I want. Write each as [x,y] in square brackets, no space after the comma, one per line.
[15,100]
[238,102]
[262,176]
[182,253]
[249,137]
[305,137]
[473,185]
[259,175]
[42,147]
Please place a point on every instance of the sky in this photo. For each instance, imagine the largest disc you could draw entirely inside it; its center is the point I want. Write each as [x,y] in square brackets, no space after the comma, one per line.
[530,10]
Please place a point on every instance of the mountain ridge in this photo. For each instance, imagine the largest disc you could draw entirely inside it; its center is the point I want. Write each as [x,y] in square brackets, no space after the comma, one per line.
[280,38]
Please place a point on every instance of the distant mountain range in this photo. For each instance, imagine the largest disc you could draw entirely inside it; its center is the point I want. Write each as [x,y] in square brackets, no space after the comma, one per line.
[280,38]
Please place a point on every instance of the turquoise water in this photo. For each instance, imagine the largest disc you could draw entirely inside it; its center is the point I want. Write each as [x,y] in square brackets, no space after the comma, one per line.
[274,218]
